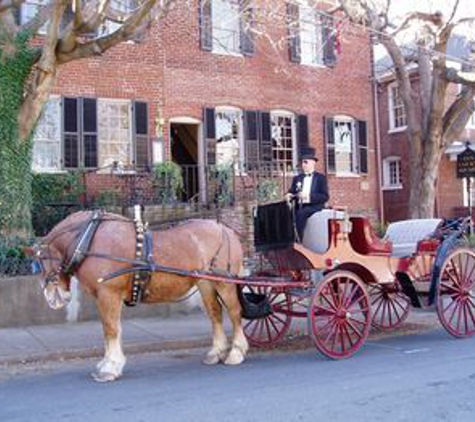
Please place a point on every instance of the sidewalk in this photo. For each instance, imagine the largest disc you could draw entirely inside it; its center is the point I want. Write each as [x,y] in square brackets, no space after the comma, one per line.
[85,339]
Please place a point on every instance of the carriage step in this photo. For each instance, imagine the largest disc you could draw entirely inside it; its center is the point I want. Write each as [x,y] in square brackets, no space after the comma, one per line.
[410,291]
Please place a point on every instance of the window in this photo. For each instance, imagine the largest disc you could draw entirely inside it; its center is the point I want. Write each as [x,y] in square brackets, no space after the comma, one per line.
[397,112]
[392,178]
[225,18]
[114,132]
[29,10]
[471,122]
[283,140]
[226,26]
[88,133]
[228,136]
[47,138]
[346,145]
[312,35]
[121,8]
[311,45]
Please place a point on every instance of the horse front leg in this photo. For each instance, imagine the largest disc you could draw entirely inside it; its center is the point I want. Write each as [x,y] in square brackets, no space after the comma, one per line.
[240,346]
[213,308]
[111,366]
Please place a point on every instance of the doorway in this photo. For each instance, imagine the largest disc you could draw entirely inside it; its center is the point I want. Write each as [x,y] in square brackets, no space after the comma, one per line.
[184,152]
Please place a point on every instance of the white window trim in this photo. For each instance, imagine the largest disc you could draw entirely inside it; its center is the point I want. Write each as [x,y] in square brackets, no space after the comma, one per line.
[232,109]
[50,170]
[293,116]
[222,51]
[354,146]
[304,3]
[386,176]
[392,123]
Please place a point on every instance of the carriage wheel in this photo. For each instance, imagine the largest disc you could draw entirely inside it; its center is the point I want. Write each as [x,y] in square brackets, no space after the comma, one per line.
[272,328]
[389,305]
[456,293]
[340,315]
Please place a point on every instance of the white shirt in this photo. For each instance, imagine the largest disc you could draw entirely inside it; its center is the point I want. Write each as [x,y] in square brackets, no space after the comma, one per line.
[306,188]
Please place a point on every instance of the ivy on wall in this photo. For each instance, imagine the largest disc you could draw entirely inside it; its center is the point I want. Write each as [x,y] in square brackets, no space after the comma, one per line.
[16,61]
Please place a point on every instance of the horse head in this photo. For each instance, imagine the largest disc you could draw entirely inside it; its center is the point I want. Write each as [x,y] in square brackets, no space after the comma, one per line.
[52,258]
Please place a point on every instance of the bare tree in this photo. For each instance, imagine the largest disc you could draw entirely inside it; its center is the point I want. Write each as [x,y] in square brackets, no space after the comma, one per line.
[432,122]
[30,56]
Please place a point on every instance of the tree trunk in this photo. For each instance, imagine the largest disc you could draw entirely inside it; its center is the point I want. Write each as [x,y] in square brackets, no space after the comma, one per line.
[423,180]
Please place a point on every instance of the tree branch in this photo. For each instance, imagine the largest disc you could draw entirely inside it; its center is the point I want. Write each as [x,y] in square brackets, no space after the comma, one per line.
[124,33]
[433,18]
[458,114]
[459,77]
[9,4]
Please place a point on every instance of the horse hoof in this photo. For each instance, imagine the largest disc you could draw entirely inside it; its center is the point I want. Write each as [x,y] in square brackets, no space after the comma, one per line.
[104,377]
[211,359]
[235,357]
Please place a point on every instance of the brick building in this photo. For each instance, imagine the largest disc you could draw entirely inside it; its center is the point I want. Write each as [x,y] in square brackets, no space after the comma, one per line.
[451,193]
[202,90]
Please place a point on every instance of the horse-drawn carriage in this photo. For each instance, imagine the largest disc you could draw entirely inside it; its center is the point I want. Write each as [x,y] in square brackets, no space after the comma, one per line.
[344,279]
[341,276]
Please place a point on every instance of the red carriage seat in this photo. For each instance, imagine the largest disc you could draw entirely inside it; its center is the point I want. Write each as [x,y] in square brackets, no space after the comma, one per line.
[364,240]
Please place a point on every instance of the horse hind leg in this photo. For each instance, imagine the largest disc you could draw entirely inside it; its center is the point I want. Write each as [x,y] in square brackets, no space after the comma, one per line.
[240,346]
[111,366]
[213,308]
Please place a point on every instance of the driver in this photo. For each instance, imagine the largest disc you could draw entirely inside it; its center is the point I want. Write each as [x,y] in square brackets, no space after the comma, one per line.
[310,190]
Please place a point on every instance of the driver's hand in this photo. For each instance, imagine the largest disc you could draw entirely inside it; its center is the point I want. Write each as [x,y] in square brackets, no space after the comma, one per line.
[288,197]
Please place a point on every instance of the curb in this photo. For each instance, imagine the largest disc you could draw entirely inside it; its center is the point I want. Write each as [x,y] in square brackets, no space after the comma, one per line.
[93,352]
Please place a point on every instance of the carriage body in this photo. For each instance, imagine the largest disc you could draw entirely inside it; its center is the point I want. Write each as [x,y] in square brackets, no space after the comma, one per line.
[353,280]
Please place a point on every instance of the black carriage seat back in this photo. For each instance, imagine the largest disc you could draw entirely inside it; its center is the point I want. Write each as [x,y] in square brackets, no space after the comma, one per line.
[406,235]
[273,226]
[365,241]
[317,234]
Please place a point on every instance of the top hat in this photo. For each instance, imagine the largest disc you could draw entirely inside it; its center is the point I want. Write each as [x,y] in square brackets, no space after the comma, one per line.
[308,154]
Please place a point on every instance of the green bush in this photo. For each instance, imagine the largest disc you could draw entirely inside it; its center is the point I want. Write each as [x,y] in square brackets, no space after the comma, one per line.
[222,176]
[168,182]
[13,260]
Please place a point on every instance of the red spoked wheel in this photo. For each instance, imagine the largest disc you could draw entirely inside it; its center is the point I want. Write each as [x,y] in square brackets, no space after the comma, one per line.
[456,293]
[269,330]
[340,315]
[389,305]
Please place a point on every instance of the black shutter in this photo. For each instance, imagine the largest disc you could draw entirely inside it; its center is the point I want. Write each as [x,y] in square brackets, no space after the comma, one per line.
[210,136]
[303,143]
[71,132]
[362,133]
[16,11]
[328,39]
[206,25]
[330,144]
[89,132]
[251,139]
[265,137]
[246,21]
[294,32]
[141,140]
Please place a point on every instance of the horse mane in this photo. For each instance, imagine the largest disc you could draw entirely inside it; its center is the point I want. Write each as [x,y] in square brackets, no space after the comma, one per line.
[77,221]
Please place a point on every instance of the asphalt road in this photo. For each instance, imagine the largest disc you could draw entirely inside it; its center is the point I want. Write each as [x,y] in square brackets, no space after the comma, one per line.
[425,377]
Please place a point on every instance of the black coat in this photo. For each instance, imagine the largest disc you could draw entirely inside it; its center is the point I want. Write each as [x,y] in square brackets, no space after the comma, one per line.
[318,191]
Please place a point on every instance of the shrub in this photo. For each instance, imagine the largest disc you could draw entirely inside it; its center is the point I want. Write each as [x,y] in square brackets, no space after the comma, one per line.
[168,182]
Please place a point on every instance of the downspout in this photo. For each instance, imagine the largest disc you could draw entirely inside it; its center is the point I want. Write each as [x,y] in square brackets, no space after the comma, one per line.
[377,134]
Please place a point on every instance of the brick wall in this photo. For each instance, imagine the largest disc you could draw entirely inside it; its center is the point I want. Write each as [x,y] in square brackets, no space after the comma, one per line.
[172,73]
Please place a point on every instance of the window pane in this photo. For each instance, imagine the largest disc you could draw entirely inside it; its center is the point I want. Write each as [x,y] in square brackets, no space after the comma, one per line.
[344,138]
[310,35]
[47,138]
[227,137]
[115,141]
[283,135]
[226,26]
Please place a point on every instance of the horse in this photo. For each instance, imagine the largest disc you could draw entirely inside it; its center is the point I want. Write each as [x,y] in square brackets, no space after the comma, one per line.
[195,245]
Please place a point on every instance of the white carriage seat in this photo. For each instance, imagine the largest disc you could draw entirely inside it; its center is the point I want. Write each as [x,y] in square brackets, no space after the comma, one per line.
[405,235]
[316,236]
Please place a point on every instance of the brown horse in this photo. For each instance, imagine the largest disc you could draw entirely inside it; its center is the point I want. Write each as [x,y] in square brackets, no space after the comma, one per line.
[194,245]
